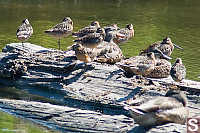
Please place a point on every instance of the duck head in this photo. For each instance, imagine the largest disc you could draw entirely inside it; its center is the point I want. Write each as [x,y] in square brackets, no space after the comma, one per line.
[168,40]
[178,95]
[25,21]
[68,19]
[101,31]
[151,55]
[179,61]
[77,47]
[129,26]
[115,26]
[95,23]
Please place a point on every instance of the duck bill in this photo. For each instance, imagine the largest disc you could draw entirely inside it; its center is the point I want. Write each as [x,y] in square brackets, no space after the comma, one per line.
[166,57]
[157,51]
[177,46]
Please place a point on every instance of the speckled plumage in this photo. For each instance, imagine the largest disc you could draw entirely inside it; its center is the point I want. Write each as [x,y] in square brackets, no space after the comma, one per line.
[92,28]
[124,34]
[92,40]
[81,53]
[161,110]
[110,32]
[111,53]
[140,65]
[178,70]
[161,69]
[166,46]
[24,31]
[61,30]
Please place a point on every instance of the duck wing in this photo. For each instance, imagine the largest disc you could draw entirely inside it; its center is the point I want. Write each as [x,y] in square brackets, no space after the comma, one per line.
[61,27]
[176,115]
[151,48]
[85,31]
[90,39]
[159,104]
[178,72]
[25,29]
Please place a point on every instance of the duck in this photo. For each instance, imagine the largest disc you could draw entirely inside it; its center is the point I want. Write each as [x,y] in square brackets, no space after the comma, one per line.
[81,53]
[109,53]
[92,28]
[124,34]
[110,32]
[139,65]
[61,30]
[171,108]
[161,70]
[178,70]
[92,40]
[165,46]
[24,31]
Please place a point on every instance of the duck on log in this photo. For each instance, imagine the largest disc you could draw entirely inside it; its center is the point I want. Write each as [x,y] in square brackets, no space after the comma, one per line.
[92,100]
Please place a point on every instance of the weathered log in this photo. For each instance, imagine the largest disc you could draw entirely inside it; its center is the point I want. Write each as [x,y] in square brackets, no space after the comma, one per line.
[68,119]
[99,87]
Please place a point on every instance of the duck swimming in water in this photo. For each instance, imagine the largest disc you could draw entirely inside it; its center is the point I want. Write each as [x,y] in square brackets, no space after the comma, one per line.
[161,110]
[24,31]
[61,30]
[178,71]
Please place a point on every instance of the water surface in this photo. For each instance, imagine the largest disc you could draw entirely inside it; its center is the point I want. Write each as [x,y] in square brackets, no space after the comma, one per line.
[12,124]
[152,20]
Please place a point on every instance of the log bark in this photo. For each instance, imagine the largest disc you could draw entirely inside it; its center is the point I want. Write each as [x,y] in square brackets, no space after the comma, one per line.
[91,99]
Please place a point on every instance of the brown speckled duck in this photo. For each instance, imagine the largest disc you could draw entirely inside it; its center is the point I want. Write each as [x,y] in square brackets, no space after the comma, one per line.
[92,40]
[110,32]
[178,70]
[24,31]
[124,34]
[109,53]
[61,30]
[139,65]
[81,53]
[161,69]
[92,28]
[161,110]
[166,47]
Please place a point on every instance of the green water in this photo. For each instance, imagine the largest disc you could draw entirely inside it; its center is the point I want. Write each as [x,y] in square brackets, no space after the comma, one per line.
[152,20]
[11,124]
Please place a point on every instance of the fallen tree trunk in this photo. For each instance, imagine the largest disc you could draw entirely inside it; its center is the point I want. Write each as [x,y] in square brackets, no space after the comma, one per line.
[101,89]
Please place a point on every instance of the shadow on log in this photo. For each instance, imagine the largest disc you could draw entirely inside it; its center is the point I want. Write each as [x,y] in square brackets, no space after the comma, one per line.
[84,101]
